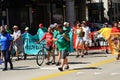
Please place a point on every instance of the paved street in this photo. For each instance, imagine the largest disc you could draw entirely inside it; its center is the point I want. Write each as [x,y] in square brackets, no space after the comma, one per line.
[95,66]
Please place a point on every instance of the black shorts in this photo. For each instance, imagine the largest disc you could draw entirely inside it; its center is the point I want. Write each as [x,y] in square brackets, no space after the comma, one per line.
[49,48]
[64,54]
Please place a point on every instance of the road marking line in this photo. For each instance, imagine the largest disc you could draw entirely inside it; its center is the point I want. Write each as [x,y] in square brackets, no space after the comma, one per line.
[73,71]
[78,73]
[97,73]
[48,68]
[102,63]
[55,75]
[113,74]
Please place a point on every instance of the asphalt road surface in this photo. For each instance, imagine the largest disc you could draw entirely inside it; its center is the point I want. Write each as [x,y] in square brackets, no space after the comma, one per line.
[95,66]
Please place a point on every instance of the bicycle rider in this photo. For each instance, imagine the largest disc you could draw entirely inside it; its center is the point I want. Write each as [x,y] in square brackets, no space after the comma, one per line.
[48,37]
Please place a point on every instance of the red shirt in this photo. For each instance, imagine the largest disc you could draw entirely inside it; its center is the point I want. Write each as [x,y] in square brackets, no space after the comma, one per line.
[48,38]
[114,29]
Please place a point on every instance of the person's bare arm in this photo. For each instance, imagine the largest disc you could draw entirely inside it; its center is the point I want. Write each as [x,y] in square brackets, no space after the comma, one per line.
[64,35]
[115,33]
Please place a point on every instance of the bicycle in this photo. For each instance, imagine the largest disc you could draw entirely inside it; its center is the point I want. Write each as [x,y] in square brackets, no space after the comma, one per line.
[42,55]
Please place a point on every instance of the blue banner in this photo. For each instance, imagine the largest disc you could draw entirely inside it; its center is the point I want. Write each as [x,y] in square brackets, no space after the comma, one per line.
[71,42]
[32,48]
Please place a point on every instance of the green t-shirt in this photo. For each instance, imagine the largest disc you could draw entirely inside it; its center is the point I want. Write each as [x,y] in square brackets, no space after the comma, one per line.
[66,28]
[62,43]
[55,33]
[9,31]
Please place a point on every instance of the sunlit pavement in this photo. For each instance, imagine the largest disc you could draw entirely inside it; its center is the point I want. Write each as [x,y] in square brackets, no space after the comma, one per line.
[92,66]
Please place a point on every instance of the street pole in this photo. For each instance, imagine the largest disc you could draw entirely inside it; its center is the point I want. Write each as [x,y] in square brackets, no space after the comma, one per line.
[51,12]
[101,11]
[91,19]
[70,11]
[110,10]
[64,11]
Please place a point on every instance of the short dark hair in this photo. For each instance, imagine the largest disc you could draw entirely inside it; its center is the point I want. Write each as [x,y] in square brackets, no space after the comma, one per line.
[60,26]
[115,22]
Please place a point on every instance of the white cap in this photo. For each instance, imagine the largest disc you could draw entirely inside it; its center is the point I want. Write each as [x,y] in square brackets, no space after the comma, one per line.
[27,28]
[106,23]
[65,23]
[51,25]
[55,24]
[83,22]
[15,26]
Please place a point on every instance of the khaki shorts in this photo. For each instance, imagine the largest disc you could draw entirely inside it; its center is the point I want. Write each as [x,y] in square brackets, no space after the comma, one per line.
[18,47]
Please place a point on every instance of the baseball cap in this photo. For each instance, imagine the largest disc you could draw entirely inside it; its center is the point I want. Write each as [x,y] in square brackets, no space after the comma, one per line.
[83,22]
[65,23]
[15,26]
[52,25]
[106,23]
[55,24]
[27,28]
[40,25]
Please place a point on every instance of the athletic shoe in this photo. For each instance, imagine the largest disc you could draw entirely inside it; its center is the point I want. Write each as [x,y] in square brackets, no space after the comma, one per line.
[67,67]
[77,56]
[82,56]
[86,53]
[4,69]
[48,63]
[60,69]
[53,62]
[58,63]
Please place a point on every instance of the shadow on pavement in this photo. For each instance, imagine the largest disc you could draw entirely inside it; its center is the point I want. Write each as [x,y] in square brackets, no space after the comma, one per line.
[24,68]
[87,68]
[99,56]
[79,63]
[33,58]
[96,54]
[93,53]
[91,56]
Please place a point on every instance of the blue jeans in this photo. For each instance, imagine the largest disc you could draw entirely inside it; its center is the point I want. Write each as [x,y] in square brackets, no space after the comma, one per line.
[6,55]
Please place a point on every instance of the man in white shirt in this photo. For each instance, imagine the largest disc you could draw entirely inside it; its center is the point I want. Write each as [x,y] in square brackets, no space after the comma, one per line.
[86,37]
[17,41]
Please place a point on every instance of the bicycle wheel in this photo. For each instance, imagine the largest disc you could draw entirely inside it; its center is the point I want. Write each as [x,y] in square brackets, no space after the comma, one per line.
[40,58]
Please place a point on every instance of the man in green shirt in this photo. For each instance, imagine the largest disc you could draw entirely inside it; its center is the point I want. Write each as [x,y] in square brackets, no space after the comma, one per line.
[63,39]
[66,26]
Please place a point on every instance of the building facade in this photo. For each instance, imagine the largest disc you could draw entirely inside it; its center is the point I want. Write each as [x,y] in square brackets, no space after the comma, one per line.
[103,10]
[114,10]
[33,12]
